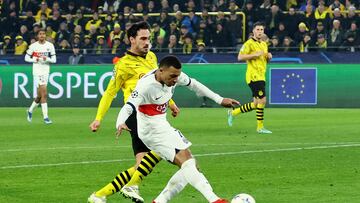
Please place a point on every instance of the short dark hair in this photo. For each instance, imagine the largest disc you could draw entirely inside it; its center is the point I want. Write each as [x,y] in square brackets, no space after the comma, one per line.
[170,60]
[40,30]
[132,31]
[258,24]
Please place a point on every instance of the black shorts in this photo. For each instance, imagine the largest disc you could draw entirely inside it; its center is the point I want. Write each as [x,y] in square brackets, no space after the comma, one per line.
[137,145]
[258,89]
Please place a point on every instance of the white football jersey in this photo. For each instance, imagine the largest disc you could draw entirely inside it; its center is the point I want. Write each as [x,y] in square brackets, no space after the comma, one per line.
[37,50]
[150,99]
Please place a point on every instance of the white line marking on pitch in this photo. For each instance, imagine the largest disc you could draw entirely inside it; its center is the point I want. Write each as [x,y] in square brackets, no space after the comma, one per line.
[196,155]
[194,145]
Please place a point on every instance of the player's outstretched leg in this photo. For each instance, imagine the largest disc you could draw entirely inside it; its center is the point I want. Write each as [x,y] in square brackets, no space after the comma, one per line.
[242,109]
[31,109]
[131,189]
[119,181]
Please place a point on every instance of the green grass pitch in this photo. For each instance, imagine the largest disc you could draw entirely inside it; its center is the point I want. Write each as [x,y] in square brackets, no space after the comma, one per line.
[313,156]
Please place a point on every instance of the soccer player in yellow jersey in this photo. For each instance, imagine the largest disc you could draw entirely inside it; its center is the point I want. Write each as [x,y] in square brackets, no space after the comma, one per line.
[130,68]
[255,53]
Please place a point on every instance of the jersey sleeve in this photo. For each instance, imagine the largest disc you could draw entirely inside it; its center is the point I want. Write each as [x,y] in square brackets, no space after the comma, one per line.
[28,55]
[107,99]
[245,49]
[52,57]
[183,80]
[136,98]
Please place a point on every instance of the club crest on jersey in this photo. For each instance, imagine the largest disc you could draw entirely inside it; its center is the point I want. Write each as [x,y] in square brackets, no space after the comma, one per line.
[134,94]
[141,75]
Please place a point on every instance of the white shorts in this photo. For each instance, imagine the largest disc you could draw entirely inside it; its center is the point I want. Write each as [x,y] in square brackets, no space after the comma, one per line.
[167,143]
[41,79]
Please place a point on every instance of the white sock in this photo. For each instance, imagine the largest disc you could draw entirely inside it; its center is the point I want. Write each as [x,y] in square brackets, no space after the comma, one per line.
[33,106]
[44,108]
[198,180]
[175,185]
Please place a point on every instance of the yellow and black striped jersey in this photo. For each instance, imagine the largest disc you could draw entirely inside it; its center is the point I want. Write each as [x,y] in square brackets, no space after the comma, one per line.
[127,72]
[256,68]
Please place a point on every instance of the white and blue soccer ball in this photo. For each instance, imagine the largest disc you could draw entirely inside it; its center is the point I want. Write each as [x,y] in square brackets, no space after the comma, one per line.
[243,198]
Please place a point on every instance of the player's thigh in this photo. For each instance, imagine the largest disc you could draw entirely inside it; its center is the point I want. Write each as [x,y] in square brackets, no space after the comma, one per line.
[258,89]
[182,156]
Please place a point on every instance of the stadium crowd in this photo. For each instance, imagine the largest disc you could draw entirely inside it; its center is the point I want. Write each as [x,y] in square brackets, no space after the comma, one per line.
[182,26]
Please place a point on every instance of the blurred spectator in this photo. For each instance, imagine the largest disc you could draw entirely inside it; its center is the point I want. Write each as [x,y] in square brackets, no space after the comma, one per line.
[338,16]
[93,33]
[322,15]
[273,17]
[76,40]
[116,45]
[164,21]
[159,45]
[76,32]
[173,44]
[95,21]
[288,44]
[179,19]
[274,44]
[55,21]
[305,45]
[221,5]
[233,7]
[79,19]
[56,7]
[69,22]
[50,32]
[220,37]
[35,29]
[321,44]
[155,33]
[29,20]
[43,20]
[308,5]
[11,25]
[151,7]
[102,30]
[108,22]
[188,45]
[337,5]
[173,31]
[320,29]
[101,47]
[117,32]
[43,10]
[220,18]
[183,32]
[165,5]
[201,47]
[77,57]
[139,7]
[349,44]
[234,27]
[64,47]
[20,45]
[353,31]
[336,36]
[31,5]
[251,16]
[204,34]
[87,46]
[25,33]
[300,33]
[7,46]
[63,33]
[70,8]
[309,17]
[111,3]
[351,17]
[292,20]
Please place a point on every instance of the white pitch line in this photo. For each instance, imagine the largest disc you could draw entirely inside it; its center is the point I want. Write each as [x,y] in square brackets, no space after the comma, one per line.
[194,145]
[196,155]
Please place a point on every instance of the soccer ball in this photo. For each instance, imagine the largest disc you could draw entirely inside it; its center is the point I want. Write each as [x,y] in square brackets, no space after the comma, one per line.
[243,198]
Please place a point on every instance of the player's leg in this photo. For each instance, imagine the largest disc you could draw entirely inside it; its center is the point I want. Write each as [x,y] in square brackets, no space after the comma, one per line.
[243,108]
[193,176]
[44,105]
[175,185]
[260,100]
[36,101]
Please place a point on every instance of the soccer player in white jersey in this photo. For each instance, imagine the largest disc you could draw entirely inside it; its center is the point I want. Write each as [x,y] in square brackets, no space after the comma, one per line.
[41,54]
[150,99]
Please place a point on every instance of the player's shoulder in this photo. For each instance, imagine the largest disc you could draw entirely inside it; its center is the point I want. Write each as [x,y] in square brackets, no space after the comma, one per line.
[151,56]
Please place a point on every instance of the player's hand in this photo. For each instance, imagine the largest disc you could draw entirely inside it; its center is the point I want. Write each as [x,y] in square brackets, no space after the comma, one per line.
[95,125]
[258,54]
[37,59]
[174,110]
[120,129]
[230,103]
[269,56]
[44,58]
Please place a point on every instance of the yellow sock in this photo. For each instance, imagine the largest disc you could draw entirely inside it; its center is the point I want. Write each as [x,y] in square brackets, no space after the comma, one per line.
[243,108]
[146,165]
[260,115]
[119,181]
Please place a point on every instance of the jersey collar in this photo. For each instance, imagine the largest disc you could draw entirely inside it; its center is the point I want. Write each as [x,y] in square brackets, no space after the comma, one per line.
[133,54]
